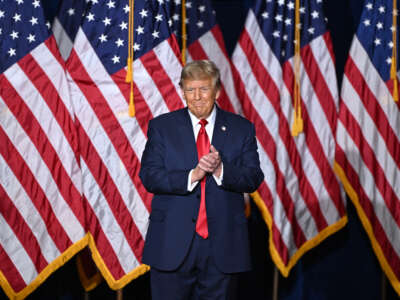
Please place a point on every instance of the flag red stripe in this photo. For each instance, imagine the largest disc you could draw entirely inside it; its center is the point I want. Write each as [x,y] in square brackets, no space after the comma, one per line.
[371,105]
[270,89]
[269,146]
[313,142]
[142,111]
[216,32]
[369,159]
[53,48]
[322,92]
[10,272]
[279,244]
[110,125]
[22,231]
[34,191]
[62,117]
[225,101]
[102,243]
[329,45]
[390,254]
[164,84]
[173,43]
[50,95]
[110,192]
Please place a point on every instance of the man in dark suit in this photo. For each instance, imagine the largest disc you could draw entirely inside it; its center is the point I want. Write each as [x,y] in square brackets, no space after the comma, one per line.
[197,236]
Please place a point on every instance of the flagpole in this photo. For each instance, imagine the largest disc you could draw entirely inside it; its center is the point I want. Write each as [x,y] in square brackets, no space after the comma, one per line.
[119,294]
[275,284]
[86,295]
[384,286]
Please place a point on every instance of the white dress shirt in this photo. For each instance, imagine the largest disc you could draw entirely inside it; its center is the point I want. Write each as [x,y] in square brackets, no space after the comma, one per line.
[210,130]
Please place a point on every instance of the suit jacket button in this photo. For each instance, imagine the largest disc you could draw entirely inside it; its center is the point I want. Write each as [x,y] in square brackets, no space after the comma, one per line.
[198,196]
[194,220]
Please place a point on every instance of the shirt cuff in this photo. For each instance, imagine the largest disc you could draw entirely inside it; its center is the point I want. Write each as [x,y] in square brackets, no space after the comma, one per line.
[190,186]
[218,180]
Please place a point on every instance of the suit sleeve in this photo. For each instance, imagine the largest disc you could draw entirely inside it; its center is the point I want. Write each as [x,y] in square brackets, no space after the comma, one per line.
[244,175]
[153,173]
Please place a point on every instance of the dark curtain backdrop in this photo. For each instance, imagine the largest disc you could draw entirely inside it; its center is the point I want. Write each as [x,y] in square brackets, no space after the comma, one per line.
[342,267]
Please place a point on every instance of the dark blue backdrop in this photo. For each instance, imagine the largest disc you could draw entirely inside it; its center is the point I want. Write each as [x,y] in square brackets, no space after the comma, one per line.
[342,267]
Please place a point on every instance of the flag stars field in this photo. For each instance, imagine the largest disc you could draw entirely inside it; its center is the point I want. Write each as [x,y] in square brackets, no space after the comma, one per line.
[34,21]
[36,3]
[110,4]
[90,17]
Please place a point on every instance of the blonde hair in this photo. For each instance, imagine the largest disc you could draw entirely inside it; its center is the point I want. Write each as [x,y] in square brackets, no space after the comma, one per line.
[201,69]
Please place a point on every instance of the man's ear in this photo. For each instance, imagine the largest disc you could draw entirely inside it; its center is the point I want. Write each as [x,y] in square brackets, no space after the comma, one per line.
[217,94]
[182,93]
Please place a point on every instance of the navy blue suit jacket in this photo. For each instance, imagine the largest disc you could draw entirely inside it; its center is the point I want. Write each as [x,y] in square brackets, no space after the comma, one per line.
[169,155]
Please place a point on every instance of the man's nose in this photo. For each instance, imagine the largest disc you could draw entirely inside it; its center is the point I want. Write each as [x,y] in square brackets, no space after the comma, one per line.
[197,93]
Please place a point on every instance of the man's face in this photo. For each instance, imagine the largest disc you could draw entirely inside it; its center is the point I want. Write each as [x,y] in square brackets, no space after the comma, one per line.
[200,95]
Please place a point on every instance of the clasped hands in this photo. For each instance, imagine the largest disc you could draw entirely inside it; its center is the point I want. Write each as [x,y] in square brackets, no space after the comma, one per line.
[209,163]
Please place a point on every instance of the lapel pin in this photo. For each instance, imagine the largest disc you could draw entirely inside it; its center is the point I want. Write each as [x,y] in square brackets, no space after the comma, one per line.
[223,128]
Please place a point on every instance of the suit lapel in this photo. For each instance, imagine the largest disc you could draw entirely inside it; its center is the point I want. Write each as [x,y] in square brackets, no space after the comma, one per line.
[220,131]
[188,142]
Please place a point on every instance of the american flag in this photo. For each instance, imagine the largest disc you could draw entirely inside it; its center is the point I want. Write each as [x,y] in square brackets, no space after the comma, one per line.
[66,24]
[111,142]
[42,217]
[205,41]
[301,199]
[368,134]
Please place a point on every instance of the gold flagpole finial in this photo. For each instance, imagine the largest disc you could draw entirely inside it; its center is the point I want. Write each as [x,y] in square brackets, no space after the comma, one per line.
[297,126]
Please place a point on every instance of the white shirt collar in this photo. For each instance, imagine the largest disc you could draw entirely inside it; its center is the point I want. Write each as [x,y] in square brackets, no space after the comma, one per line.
[210,119]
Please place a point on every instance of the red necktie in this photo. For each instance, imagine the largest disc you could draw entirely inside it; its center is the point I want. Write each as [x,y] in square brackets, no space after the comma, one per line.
[203,147]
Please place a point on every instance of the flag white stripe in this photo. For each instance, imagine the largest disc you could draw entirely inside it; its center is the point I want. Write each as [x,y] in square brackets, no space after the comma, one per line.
[378,88]
[115,234]
[110,159]
[32,158]
[326,138]
[110,92]
[16,252]
[270,119]
[278,213]
[28,211]
[326,66]
[148,89]
[55,73]
[38,106]
[265,53]
[167,57]
[372,136]
[316,114]
[313,103]
[64,43]
[367,181]
[130,127]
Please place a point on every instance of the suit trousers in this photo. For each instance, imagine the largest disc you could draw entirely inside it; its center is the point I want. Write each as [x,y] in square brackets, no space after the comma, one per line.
[198,278]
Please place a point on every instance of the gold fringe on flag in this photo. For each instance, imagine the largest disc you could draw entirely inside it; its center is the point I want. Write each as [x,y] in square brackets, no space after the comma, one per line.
[393,69]
[184,40]
[129,73]
[297,126]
